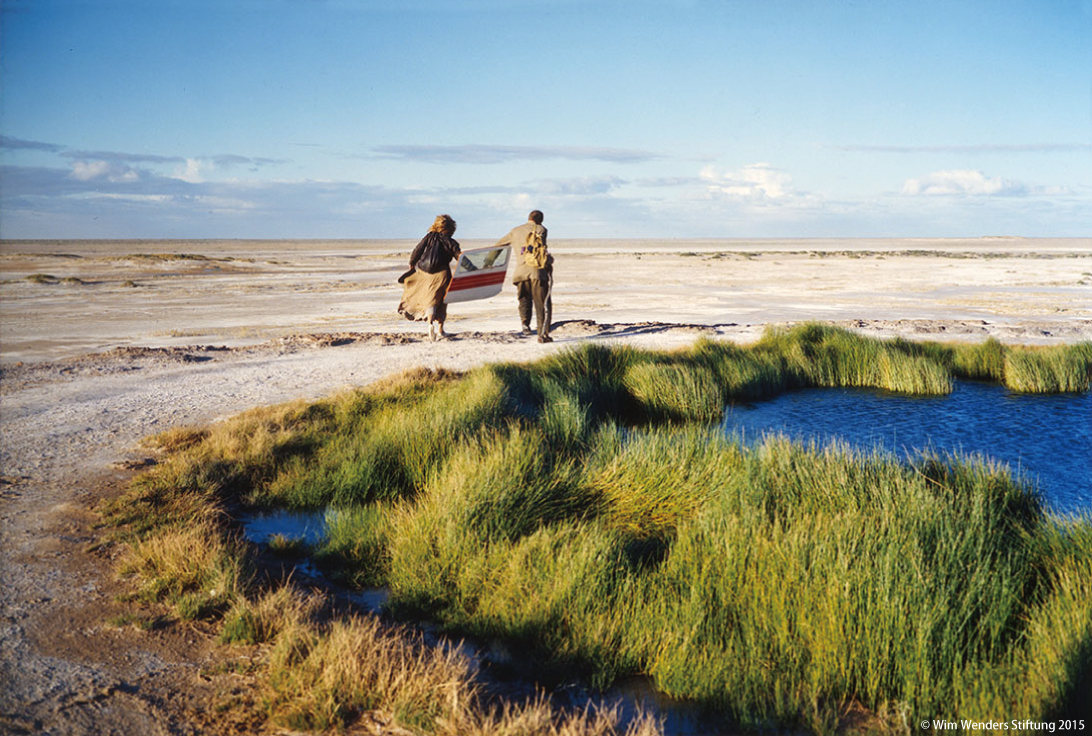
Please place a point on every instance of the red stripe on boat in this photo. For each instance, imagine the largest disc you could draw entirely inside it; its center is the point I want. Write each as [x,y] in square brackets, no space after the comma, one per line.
[478,279]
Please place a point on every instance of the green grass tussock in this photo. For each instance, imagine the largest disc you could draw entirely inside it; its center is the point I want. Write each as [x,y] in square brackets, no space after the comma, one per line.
[652,482]
[354,550]
[1059,369]
[676,392]
[507,484]
[262,616]
[387,450]
[832,576]
[983,361]
[1027,369]
[797,577]
[822,356]
[587,511]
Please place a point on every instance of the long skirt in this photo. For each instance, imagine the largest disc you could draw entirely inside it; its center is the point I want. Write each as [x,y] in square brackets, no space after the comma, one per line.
[423,295]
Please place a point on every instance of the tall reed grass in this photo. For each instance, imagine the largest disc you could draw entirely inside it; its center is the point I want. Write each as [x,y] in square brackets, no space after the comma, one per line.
[1049,370]
[817,355]
[585,510]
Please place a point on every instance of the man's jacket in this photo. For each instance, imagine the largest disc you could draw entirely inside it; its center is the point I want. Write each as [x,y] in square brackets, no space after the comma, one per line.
[517,238]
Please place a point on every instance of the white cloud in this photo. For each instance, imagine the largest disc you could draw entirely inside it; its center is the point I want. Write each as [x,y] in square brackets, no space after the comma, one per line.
[191,172]
[962,182]
[88,170]
[225,204]
[753,182]
[125,197]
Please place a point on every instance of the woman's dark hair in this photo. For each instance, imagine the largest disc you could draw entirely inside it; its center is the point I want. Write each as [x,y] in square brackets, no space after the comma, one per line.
[535,217]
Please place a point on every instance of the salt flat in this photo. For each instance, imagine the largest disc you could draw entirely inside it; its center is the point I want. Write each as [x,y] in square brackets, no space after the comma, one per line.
[105,294]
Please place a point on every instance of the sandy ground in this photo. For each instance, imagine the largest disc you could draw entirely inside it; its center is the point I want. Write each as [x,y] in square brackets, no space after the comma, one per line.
[103,343]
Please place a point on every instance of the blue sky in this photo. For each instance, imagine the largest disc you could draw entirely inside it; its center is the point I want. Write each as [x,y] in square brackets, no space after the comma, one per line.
[642,118]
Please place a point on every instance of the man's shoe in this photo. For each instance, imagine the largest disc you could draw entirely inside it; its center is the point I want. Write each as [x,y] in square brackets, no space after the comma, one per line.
[527,330]
[545,338]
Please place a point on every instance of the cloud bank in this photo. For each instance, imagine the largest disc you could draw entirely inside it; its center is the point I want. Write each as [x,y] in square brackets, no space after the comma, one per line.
[965,183]
[117,194]
[968,149]
[496,154]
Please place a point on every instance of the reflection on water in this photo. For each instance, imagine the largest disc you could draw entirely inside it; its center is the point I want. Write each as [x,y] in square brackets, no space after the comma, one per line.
[309,526]
[1045,438]
[679,717]
[370,599]
[259,526]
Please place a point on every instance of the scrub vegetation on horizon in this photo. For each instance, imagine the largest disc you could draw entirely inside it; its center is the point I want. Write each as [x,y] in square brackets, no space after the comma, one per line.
[587,511]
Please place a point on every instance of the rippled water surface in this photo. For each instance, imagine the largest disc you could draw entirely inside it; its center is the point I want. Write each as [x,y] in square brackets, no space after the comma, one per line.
[1047,439]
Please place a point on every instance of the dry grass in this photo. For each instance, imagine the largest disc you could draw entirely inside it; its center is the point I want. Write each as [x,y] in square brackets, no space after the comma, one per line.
[322,678]
[263,617]
[196,567]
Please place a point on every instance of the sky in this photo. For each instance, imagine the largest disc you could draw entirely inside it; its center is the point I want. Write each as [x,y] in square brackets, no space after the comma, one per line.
[618,119]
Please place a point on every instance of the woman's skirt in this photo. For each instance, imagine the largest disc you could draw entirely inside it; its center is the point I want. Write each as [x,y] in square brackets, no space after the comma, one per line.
[423,296]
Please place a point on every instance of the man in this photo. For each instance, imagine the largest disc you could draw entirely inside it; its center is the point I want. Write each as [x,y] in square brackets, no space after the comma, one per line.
[533,281]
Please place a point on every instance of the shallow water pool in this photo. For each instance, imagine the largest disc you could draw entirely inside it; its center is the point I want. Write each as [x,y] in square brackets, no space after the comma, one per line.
[1046,439]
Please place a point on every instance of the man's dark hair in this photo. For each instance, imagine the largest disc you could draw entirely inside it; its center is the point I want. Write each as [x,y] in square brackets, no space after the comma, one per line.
[535,216]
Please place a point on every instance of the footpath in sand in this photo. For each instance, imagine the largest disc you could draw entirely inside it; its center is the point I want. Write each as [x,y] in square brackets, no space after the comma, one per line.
[104,343]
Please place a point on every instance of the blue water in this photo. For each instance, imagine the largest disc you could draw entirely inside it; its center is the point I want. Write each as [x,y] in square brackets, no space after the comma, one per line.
[259,526]
[1047,440]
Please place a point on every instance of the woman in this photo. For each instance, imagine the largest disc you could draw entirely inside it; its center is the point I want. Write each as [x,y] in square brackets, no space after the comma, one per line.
[427,281]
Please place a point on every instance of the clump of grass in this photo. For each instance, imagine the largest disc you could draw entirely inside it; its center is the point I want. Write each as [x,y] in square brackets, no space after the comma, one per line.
[321,678]
[285,546]
[354,550]
[143,623]
[981,362]
[256,620]
[676,392]
[565,421]
[196,567]
[822,356]
[595,376]
[401,445]
[655,481]
[1058,369]
[812,574]
[318,679]
[744,375]
[177,439]
[507,485]
[539,717]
